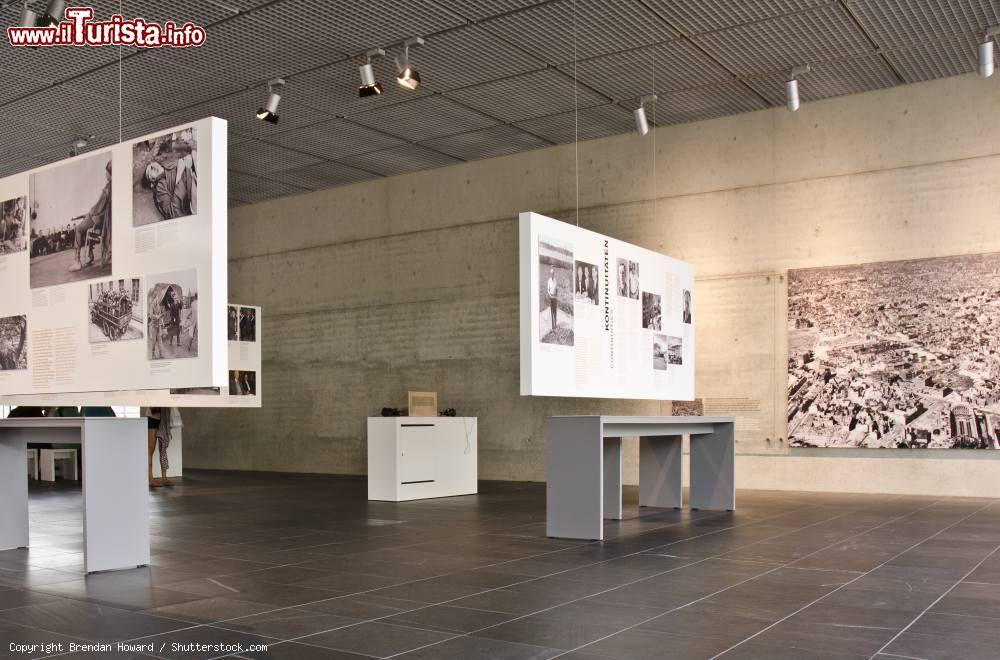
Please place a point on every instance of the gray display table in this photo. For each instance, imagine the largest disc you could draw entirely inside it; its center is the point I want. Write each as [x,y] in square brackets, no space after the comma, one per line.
[584,468]
[115,487]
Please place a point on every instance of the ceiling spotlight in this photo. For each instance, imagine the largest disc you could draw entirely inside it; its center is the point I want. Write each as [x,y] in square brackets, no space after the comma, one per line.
[269,112]
[55,12]
[792,86]
[641,123]
[369,86]
[407,75]
[986,52]
[29,18]
[78,145]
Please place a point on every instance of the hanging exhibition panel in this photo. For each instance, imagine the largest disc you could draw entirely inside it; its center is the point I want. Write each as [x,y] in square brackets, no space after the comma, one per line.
[898,354]
[243,389]
[601,317]
[113,267]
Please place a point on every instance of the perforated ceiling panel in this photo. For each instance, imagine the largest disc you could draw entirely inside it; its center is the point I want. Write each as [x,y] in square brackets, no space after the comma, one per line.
[900,22]
[778,44]
[600,27]
[400,160]
[697,16]
[498,75]
[528,96]
[408,120]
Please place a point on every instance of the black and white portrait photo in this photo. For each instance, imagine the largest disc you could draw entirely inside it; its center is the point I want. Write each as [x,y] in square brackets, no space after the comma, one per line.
[651,312]
[675,350]
[585,283]
[622,281]
[555,292]
[114,311]
[660,352]
[13,220]
[897,354]
[70,221]
[165,177]
[172,315]
[233,323]
[248,324]
[633,280]
[242,383]
[13,343]
[686,297]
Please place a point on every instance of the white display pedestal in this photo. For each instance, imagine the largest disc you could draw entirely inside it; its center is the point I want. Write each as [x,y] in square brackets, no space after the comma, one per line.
[584,468]
[115,492]
[414,458]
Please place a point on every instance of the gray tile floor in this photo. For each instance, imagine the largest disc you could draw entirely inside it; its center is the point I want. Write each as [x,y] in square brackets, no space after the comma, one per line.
[309,568]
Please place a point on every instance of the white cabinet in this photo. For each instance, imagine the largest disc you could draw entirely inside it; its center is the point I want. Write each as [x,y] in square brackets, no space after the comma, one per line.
[412,458]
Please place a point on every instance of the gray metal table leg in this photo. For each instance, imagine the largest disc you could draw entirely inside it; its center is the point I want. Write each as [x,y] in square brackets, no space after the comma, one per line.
[574,478]
[713,469]
[660,463]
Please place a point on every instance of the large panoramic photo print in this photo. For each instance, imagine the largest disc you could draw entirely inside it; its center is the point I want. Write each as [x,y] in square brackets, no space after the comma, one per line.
[899,354]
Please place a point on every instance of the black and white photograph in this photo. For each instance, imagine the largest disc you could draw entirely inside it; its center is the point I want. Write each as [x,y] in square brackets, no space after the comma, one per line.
[172,315]
[165,177]
[555,292]
[898,354]
[633,280]
[675,350]
[686,314]
[242,383]
[70,221]
[622,281]
[202,391]
[13,220]
[233,323]
[13,343]
[660,352]
[585,283]
[114,311]
[248,324]
[651,312]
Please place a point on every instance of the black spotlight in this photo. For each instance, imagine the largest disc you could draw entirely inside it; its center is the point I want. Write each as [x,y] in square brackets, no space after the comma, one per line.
[269,112]
[369,86]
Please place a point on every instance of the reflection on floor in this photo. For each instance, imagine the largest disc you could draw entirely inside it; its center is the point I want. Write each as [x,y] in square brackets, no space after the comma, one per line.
[307,567]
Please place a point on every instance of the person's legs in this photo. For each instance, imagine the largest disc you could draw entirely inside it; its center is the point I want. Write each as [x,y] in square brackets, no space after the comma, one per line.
[79,240]
[151,444]
[164,463]
[552,312]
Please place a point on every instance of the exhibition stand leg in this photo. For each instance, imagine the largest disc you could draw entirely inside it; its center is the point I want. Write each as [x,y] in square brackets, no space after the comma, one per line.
[13,491]
[613,478]
[575,478]
[660,475]
[115,494]
[713,469]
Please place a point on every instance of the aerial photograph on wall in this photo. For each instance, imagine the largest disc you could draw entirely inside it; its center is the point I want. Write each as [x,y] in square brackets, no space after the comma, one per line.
[902,354]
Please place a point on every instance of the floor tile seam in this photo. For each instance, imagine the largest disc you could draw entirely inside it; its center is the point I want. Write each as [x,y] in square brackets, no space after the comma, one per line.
[645,578]
[886,562]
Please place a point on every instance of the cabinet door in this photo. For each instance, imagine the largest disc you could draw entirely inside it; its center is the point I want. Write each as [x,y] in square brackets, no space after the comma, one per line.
[417,453]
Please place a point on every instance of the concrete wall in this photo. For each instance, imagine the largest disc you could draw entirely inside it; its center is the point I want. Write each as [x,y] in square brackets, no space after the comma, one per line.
[411,282]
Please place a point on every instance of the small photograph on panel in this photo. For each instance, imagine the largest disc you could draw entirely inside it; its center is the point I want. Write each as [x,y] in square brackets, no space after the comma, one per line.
[242,383]
[13,343]
[651,311]
[686,296]
[248,324]
[694,408]
[172,308]
[585,281]
[233,323]
[623,278]
[165,177]
[13,218]
[555,291]
[660,352]
[114,310]
[633,280]
[70,222]
[675,350]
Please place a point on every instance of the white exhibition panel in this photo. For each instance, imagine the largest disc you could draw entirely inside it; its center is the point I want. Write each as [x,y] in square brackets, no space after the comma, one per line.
[115,490]
[413,458]
[602,318]
[163,240]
